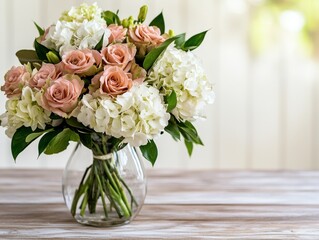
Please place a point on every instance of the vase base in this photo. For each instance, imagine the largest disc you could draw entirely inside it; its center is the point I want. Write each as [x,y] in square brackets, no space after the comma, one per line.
[101,222]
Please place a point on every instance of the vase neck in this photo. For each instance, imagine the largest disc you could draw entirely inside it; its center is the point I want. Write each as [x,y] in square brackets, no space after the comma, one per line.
[105,157]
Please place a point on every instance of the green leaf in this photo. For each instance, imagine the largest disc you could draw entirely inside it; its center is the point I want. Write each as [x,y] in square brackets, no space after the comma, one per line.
[41,50]
[35,135]
[159,22]
[18,143]
[54,116]
[116,143]
[73,122]
[26,56]
[45,140]
[171,101]
[99,46]
[189,132]
[61,141]
[173,130]
[194,42]
[152,56]
[189,146]
[86,140]
[180,41]
[40,30]
[149,151]
[111,18]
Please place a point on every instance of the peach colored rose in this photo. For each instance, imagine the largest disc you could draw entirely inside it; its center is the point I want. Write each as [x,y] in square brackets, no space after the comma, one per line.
[61,97]
[149,35]
[46,72]
[120,55]
[118,33]
[15,79]
[80,61]
[114,81]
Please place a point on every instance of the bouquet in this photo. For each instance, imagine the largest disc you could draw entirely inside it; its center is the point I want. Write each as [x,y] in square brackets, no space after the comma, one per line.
[105,82]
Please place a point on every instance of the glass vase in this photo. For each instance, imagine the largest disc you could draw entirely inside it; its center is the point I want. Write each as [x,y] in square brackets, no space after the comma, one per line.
[104,188]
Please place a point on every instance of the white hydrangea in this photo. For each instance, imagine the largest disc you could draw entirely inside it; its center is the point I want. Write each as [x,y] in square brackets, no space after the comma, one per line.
[137,115]
[25,112]
[83,12]
[79,28]
[182,72]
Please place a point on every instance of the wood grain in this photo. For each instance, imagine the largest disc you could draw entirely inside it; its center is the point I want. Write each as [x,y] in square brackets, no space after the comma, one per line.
[179,205]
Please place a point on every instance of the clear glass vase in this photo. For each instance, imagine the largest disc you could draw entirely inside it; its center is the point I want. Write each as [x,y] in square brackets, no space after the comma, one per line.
[103,188]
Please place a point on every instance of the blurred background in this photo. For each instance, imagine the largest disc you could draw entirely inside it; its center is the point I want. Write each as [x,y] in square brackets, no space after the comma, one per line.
[262,56]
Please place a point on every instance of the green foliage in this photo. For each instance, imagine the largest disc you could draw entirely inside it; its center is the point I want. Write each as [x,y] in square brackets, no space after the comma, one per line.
[150,152]
[180,41]
[189,147]
[177,128]
[171,101]
[40,30]
[35,135]
[28,56]
[41,50]
[111,18]
[99,46]
[45,140]
[152,56]
[159,22]
[194,42]
[172,129]
[61,141]
[18,143]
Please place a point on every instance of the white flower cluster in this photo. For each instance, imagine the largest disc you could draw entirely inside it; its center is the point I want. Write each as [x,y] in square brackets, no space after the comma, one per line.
[138,115]
[83,12]
[80,28]
[182,72]
[25,112]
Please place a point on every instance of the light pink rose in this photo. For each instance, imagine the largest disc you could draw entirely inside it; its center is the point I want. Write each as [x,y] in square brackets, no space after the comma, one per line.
[113,81]
[46,72]
[15,79]
[118,33]
[80,61]
[149,35]
[62,96]
[120,55]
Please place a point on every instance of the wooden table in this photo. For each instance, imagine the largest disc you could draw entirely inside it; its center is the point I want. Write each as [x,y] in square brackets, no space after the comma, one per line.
[179,205]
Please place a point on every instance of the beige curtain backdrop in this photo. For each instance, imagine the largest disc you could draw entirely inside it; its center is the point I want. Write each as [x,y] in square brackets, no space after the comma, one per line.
[266,111]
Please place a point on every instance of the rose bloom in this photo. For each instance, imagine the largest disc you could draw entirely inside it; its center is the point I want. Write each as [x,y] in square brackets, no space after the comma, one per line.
[46,72]
[120,55]
[80,61]
[113,81]
[15,79]
[61,97]
[149,35]
[118,33]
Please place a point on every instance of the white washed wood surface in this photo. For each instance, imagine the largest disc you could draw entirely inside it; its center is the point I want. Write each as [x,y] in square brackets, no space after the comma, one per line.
[266,114]
[179,205]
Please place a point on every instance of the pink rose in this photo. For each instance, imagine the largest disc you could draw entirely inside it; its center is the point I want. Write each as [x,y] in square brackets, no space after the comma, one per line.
[81,61]
[118,33]
[120,55]
[15,79]
[113,81]
[61,97]
[149,35]
[46,72]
